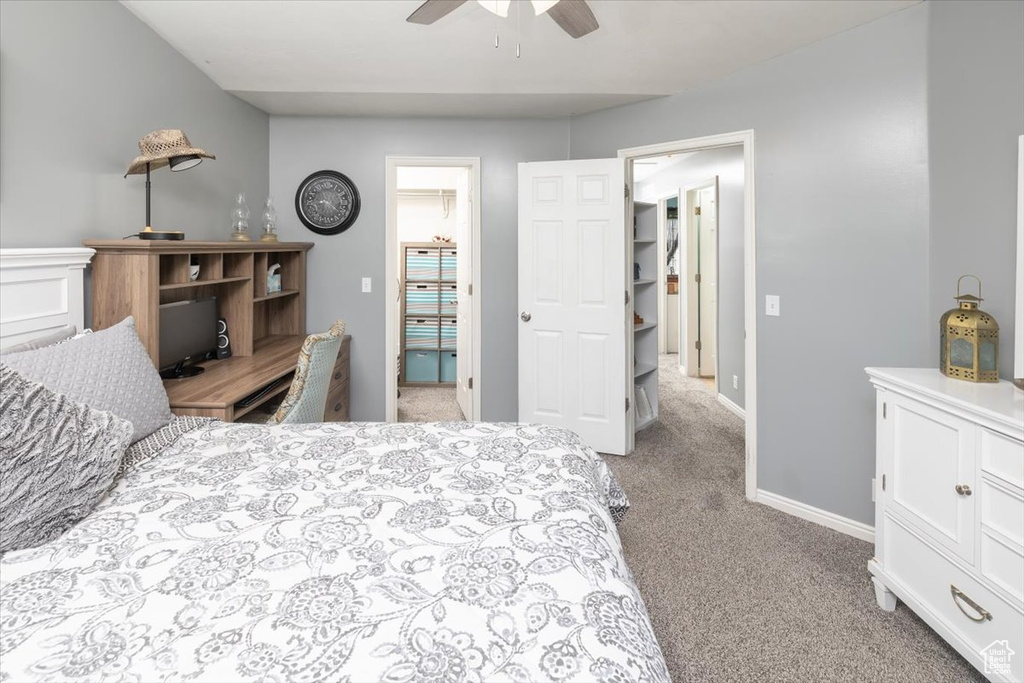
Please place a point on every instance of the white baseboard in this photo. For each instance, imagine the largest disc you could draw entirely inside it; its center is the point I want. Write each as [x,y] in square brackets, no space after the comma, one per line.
[825,518]
[731,405]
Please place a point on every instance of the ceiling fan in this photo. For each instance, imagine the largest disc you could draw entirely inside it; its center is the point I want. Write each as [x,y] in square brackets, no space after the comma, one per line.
[573,16]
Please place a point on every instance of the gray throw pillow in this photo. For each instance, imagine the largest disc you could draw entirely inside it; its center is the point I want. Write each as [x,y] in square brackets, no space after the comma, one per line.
[59,458]
[106,370]
[48,339]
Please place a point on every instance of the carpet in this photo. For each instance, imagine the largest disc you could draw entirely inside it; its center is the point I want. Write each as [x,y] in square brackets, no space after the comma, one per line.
[738,591]
[429,404]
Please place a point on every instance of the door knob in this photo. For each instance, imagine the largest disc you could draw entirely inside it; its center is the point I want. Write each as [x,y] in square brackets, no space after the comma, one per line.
[963,489]
[525,316]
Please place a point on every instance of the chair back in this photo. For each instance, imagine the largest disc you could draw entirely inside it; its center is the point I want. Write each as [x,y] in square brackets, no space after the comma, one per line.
[307,396]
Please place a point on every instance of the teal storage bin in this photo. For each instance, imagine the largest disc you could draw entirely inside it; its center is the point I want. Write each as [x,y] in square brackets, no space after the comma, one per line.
[449,299]
[449,329]
[421,299]
[449,368]
[448,264]
[421,366]
[422,264]
[421,333]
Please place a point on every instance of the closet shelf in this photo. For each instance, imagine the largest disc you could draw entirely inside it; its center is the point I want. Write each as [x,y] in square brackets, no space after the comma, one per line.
[644,326]
[642,369]
[643,424]
[644,241]
[644,281]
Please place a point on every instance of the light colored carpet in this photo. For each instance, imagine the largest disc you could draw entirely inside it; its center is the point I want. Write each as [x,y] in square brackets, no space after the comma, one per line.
[738,591]
[429,404]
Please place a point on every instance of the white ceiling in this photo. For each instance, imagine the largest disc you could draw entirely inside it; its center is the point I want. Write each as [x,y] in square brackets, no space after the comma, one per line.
[360,57]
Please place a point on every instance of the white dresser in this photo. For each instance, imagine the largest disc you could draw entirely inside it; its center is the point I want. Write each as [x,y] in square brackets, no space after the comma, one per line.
[949,511]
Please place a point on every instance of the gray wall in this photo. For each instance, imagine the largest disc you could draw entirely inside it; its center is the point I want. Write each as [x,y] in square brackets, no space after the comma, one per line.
[842,236]
[727,164]
[80,83]
[976,113]
[357,147]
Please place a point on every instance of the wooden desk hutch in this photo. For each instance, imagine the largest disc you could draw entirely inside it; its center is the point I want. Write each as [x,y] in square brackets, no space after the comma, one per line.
[266,330]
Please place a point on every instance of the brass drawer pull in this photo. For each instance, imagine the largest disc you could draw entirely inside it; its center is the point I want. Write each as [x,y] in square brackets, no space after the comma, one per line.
[963,489]
[959,595]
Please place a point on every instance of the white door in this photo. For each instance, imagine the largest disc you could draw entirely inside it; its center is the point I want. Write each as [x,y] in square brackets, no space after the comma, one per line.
[708,268]
[464,284]
[572,308]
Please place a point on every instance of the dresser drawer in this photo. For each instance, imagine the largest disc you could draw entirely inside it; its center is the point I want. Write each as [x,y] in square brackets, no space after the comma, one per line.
[1002,457]
[946,592]
[1002,509]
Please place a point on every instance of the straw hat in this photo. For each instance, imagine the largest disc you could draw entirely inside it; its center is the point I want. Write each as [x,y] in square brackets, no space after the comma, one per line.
[159,146]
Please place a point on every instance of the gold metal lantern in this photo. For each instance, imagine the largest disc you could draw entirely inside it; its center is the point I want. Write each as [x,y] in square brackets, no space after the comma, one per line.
[970,340]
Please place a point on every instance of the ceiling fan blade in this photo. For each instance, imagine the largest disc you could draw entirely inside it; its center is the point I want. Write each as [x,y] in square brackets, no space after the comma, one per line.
[432,10]
[575,17]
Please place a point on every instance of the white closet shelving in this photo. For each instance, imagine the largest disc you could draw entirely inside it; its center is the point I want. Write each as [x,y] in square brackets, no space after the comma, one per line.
[645,304]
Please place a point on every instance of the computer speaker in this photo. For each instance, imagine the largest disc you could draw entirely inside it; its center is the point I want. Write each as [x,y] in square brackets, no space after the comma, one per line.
[223,342]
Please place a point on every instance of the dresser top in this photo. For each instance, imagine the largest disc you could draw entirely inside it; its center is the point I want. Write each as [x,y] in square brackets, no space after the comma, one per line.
[1000,401]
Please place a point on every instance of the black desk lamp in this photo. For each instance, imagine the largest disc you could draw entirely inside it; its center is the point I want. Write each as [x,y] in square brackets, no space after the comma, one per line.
[164,148]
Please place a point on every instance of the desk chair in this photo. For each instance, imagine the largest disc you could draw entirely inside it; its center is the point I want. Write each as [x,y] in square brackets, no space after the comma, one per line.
[307,396]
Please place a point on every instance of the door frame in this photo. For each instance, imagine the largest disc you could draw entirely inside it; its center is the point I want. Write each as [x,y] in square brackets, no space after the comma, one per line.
[688,323]
[391,288]
[744,138]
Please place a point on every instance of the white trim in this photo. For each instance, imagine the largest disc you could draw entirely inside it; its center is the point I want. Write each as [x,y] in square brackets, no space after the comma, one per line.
[746,139]
[731,405]
[72,257]
[41,290]
[845,525]
[391,164]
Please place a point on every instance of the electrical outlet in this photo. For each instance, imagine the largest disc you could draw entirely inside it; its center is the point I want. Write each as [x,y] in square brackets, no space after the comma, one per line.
[771,304]
[367,285]
[735,382]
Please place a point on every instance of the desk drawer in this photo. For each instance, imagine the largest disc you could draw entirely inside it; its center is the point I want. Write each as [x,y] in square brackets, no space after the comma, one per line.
[931,579]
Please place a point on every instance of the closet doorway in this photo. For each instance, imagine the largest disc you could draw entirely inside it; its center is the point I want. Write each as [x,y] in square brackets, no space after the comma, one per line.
[433,297]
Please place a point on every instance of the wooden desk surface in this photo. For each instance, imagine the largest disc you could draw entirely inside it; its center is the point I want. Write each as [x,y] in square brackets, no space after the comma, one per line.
[227,381]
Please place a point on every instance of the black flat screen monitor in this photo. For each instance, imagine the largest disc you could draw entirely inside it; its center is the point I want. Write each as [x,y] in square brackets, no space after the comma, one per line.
[188,332]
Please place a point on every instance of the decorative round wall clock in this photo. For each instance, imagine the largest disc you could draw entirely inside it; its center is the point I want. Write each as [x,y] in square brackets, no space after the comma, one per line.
[327,202]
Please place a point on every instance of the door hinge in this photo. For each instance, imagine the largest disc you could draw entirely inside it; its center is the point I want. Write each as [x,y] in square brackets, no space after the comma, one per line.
[626,188]
[883,482]
[627,297]
[696,211]
[471,290]
[627,404]
[470,382]
[883,410]
[696,278]
[697,344]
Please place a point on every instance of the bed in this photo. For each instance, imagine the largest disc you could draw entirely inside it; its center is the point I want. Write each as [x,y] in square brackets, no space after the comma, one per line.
[337,552]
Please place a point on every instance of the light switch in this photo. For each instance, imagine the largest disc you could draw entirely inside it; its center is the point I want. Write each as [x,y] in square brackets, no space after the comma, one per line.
[367,285]
[771,304]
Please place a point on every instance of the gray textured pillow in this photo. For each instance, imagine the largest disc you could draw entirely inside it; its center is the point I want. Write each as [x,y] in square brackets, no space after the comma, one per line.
[60,335]
[59,458]
[106,370]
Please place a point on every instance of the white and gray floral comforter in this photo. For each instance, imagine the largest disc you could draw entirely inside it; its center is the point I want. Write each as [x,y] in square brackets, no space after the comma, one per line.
[338,552]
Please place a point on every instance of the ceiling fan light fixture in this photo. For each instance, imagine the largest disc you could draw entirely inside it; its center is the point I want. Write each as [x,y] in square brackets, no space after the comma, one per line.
[499,7]
[542,6]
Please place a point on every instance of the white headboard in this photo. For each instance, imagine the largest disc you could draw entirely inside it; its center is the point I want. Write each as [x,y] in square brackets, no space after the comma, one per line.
[41,290]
